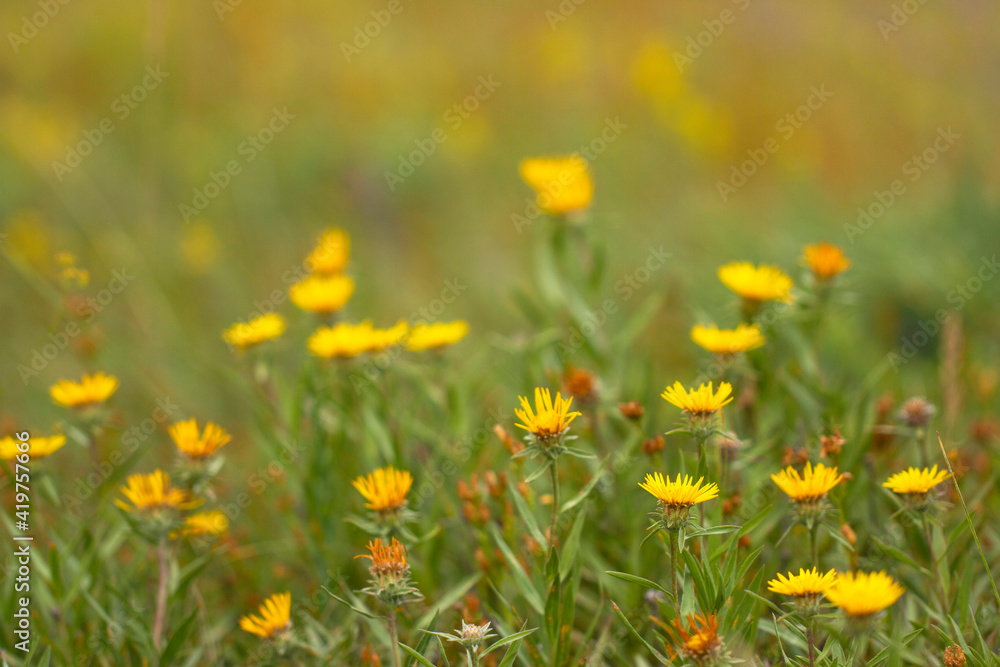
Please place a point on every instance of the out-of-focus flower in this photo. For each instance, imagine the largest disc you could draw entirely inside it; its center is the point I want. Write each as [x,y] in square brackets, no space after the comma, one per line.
[831,445]
[258,330]
[344,340]
[743,338]
[916,412]
[38,447]
[322,294]
[274,619]
[916,484]
[862,594]
[433,336]
[954,656]
[205,524]
[632,410]
[152,492]
[89,390]
[385,489]
[382,339]
[757,283]
[580,383]
[826,260]
[654,445]
[699,642]
[699,402]
[562,184]
[807,587]
[198,446]
[331,254]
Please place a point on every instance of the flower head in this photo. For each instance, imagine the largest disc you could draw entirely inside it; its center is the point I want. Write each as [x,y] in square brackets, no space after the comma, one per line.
[153,492]
[275,617]
[916,485]
[812,484]
[756,284]
[37,447]
[743,338]
[331,254]
[699,642]
[205,524]
[806,583]
[549,418]
[916,412]
[826,260]
[322,294]
[198,446]
[385,489]
[683,491]
[561,184]
[343,341]
[862,594]
[258,330]
[382,339]
[432,336]
[699,402]
[91,389]
[390,572]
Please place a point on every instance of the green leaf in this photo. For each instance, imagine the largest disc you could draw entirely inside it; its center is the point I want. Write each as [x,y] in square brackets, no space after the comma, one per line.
[416,656]
[645,583]
[507,640]
[530,522]
[635,633]
[585,491]
[178,639]
[521,578]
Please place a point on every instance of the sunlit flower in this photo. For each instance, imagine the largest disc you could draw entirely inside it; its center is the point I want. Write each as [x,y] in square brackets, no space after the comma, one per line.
[385,489]
[201,524]
[682,492]
[343,341]
[38,447]
[153,492]
[198,445]
[549,418]
[91,389]
[275,617]
[805,583]
[861,594]
[914,481]
[756,284]
[743,338]
[258,330]
[432,336]
[390,572]
[331,254]
[826,260]
[322,294]
[699,642]
[561,184]
[813,483]
[701,401]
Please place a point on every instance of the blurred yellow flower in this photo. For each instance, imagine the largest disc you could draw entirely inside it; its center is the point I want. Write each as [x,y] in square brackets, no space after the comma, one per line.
[812,484]
[432,336]
[385,489]
[743,338]
[38,447]
[258,330]
[153,492]
[386,338]
[561,184]
[549,418]
[275,617]
[198,446]
[805,583]
[914,481]
[322,294]
[349,340]
[199,245]
[331,254]
[756,283]
[205,524]
[701,401]
[826,260]
[91,389]
[861,594]
[682,492]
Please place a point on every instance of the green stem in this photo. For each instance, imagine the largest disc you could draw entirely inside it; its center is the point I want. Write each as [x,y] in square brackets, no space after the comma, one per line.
[811,639]
[942,594]
[161,594]
[673,570]
[394,636]
[555,504]
[813,547]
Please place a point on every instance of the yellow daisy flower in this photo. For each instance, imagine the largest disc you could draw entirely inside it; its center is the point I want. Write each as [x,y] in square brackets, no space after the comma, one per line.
[814,483]
[382,339]
[275,617]
[561,184]
[331,254]
[91,389]
[682,492]
[198,446]
[914,481]
[385,489]
[805,583]
[549,418]
[342,340]
[763,283]
[210,523]
[432,336]
[826,260]
[699,402]
[258,330]
[743,338]
[322,294]
[38,447]
[152,492]
[861,594]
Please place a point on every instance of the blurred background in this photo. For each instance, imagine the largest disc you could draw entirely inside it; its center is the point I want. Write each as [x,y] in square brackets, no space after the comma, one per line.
[117,119]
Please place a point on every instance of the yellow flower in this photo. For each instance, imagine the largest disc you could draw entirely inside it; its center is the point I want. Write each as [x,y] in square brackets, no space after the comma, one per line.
[432,336]
[344,340]
[743,338]
[701,401]
[331,254]
[861,594]
[699,642]
[826,260]
[247,334]
[205,523]
[913,481]
[552,418]
[37,447]
[763,283]
[805,583]
[386,557]
[561,184]
[153,492]
[382,339]
[322,294]
[682,492]
[90,389]
[814,483]
[198,446]
[275,616]
[385,489]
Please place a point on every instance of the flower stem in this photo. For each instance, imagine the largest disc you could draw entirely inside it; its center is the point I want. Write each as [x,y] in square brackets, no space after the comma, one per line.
[673,570]
[813,548]
[161,594]
[394,636]
[930,546]
[555,505]
[811,639]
